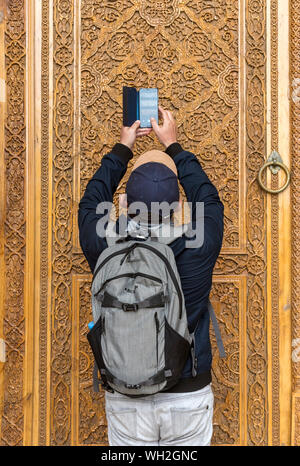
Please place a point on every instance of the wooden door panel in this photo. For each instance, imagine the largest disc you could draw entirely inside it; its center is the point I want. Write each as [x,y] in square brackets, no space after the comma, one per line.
[216,67]
[193,58]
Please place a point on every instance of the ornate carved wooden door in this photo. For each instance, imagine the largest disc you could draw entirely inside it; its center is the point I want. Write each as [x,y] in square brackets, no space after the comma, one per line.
[222,68]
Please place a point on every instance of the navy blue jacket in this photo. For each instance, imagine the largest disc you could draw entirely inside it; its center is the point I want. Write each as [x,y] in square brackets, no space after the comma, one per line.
[195,265]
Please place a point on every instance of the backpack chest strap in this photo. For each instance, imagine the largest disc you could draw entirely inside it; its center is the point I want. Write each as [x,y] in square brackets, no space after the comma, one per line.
[157,300]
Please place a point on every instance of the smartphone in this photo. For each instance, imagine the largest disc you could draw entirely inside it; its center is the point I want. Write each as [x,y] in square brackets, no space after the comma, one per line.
[148,106]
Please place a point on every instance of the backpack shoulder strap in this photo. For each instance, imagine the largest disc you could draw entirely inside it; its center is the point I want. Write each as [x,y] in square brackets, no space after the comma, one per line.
[217,330]
[164,235]
[169,232]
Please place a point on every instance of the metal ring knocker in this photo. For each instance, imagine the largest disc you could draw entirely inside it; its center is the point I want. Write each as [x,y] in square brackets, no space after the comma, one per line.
[276,165]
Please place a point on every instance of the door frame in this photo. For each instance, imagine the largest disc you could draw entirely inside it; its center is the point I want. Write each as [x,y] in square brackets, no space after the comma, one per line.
[295,212]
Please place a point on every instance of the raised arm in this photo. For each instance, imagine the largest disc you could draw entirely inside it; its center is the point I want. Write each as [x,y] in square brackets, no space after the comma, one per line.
[195,182]
[101,188]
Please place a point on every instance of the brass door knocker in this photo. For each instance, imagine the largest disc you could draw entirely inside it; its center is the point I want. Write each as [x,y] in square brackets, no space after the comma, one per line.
[275,163]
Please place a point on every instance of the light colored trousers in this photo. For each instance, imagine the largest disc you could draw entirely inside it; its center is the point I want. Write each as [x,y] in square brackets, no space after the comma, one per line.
[172,419]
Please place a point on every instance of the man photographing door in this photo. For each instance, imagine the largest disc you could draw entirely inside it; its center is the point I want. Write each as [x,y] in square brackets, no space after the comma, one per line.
[182,414]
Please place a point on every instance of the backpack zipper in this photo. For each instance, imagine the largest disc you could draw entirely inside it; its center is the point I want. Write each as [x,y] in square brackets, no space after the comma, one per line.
[128,253]
[170,270]
[108,258]
[157,331]
[132,275]
[159,254]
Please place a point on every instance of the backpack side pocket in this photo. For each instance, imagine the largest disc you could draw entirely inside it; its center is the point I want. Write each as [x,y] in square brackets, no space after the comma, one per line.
[94,339]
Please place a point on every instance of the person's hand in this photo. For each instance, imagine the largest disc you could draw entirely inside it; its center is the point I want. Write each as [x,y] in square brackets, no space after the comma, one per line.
[130,133]
[167,133]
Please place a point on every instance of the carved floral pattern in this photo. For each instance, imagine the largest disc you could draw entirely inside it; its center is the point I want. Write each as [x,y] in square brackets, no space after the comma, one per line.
[61,357]
[157,12]
[226,372]
[92,420]
[14,225]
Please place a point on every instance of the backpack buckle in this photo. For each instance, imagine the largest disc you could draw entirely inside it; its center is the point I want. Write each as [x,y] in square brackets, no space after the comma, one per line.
[106,387]
[132,386]
[129,307]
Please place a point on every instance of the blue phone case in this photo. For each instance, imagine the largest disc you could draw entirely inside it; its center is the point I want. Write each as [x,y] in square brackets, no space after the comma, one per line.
[130,102]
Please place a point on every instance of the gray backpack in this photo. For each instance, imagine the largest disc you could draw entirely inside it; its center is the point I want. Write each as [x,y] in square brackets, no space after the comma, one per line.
[140,338]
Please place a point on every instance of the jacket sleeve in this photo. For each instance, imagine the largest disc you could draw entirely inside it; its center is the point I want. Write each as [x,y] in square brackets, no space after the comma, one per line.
[198,188]
[100,188]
